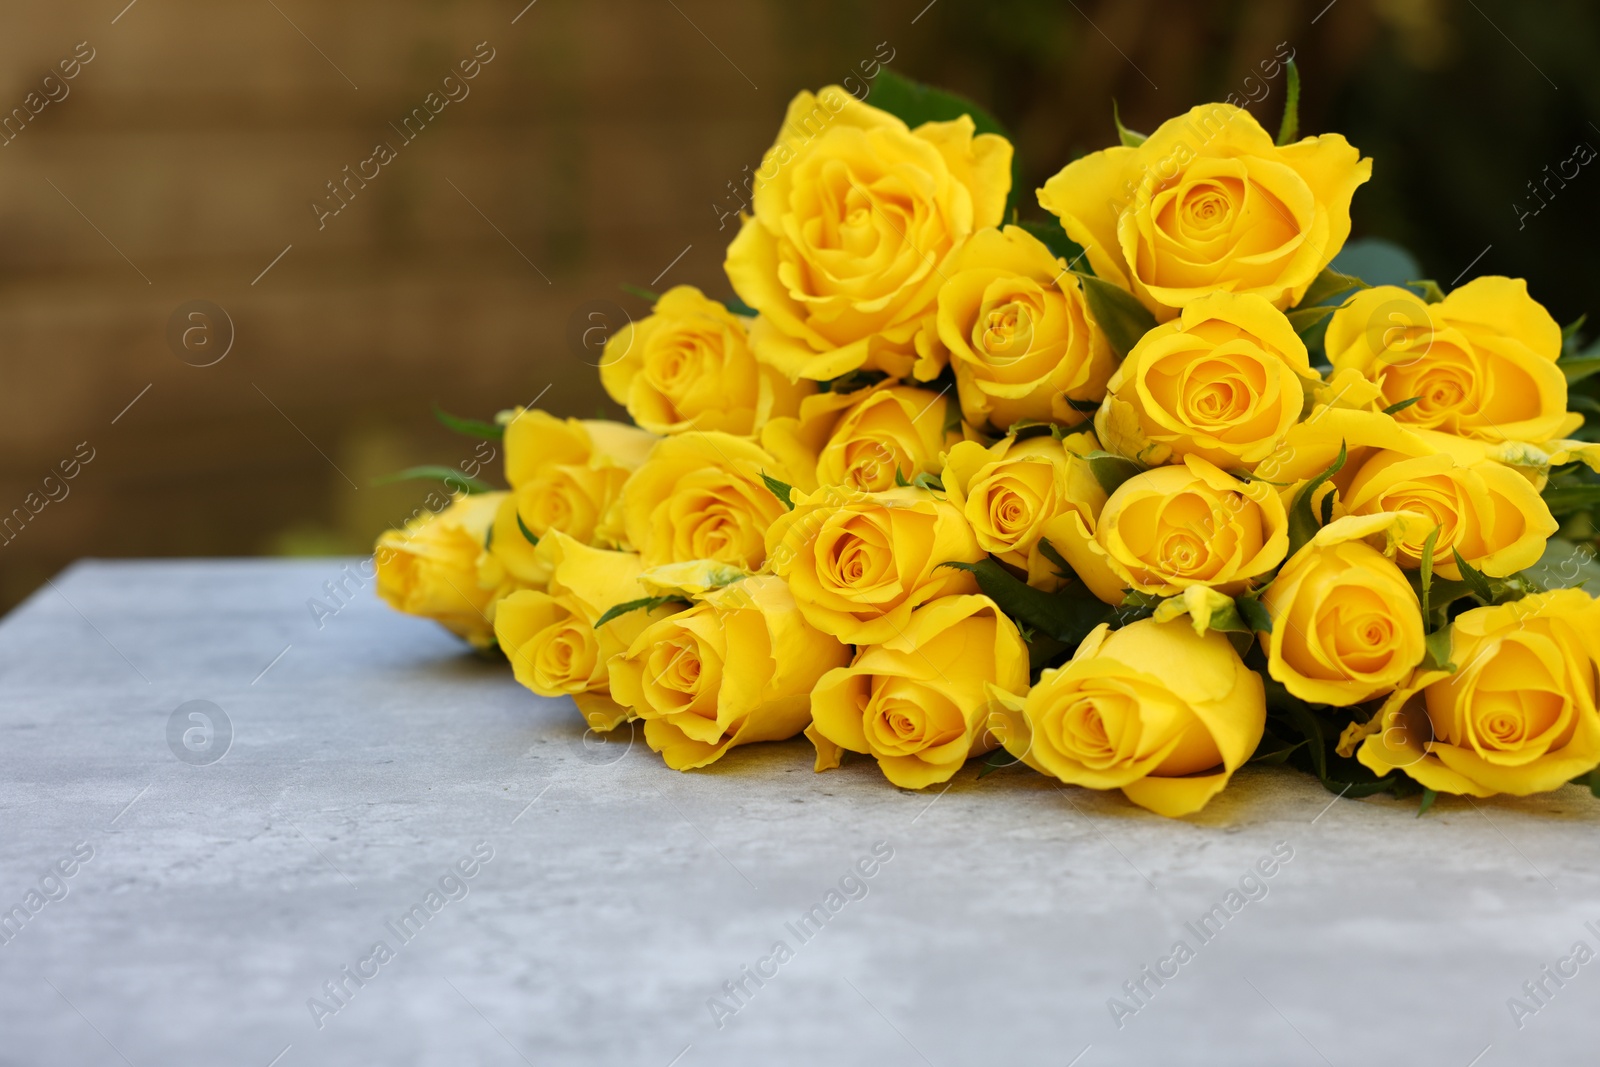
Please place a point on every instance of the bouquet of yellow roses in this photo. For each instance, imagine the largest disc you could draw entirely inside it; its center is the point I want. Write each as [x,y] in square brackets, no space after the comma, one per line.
[1133,495]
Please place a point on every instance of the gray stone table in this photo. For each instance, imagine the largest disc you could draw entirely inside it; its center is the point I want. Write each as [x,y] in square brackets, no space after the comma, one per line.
[195,911]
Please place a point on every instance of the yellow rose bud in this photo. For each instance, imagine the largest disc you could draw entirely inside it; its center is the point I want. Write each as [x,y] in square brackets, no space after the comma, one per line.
[1200,603]
[895,431]
[858,564]
[1166,529]
[430,568]
[701,496]
[566,477]
[862,440]
[919,702]
[550,637]
[1017,494]
[688,366]
[1208,203]
[855,222]
[1154,709]
[536,441]
[1480,363]
[737,667]
[1224,381]
[1518,715]
[1483,509]
[689,579]
[1346,625]
[1020,335]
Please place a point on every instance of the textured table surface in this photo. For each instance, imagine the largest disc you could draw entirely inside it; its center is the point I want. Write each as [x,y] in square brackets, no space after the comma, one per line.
[210,900]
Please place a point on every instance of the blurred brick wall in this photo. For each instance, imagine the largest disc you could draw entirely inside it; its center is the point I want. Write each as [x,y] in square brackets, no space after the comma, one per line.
[193,144]
[594,145]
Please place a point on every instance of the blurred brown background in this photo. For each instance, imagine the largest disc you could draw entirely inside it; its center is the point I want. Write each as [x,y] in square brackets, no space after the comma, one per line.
[185,156]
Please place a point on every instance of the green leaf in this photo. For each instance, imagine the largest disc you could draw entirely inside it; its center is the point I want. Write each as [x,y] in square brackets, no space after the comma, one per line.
[1044,651]
[998,760]
[1427,569]
[931,482]
[489,431]
[1275,749]
[639,291]
[784,491]
[527,534]
[1049,552]
[1474,579]
[648,603]
[1329,284]
[1428,289]
[1304,320]
[1111,470]
[1118,312]
[1401,405]
[1565,500]
[1135,606]
[1437,657]
[1254,614]
[453,479]
[739,307]
[1303,525]
[1053,237]
[1577,368]
[488,537]
[1128,138]
[1570,330]
[1067,616]
[1229,621]
[1428,797]
[1290,127]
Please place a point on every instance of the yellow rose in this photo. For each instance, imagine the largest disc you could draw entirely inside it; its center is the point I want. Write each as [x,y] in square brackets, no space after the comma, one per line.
[858,564]
[1518,716]
[1020,335]
[919,702]
[1224,381]
[1346,625]
[1154,709]
[566,476]
[856,221]
[536,441]
[701,496]
[1487,512]
[430,568]
[1483,509]
[688,366]
[863,439]
[1016,494]
[1481,363]
[1208,203]
[550,637]
[737,667]
[1166,529]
